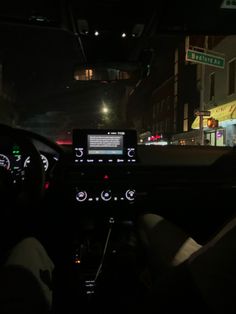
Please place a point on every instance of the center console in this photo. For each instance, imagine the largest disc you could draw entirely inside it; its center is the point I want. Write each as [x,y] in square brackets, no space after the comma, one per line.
[103,162]
[100,192]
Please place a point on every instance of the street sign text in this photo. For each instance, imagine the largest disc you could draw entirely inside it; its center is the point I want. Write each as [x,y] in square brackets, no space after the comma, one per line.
[205,58]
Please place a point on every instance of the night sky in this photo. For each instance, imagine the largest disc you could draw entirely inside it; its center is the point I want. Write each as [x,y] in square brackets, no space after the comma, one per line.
[38,67]
[38,62]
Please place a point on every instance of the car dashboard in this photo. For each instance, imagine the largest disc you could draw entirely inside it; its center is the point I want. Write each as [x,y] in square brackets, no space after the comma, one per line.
[189,185]
[87,217]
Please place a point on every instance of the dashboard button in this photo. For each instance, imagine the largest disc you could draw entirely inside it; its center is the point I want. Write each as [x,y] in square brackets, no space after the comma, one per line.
[130,195]
[106,195]
[79,152]
[81,196]
[131,152]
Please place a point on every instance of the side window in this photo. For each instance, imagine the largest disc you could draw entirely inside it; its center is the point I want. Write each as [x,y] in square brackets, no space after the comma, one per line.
[231,76]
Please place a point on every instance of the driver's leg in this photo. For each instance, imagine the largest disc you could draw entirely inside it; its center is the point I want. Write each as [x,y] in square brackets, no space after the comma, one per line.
[25,279]
[168,250]
[213,269]
[166,244]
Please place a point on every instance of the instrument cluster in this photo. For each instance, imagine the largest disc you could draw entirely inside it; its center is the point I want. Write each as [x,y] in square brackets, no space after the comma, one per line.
[16,161]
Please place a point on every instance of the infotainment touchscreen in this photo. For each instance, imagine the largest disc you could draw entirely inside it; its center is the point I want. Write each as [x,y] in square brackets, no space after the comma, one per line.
[105,146]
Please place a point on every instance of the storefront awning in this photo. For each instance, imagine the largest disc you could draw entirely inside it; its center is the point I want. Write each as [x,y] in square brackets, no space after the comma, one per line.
[225,114]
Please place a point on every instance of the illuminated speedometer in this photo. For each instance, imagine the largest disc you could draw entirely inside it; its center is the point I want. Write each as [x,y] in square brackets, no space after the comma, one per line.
[4,161]
[44,160]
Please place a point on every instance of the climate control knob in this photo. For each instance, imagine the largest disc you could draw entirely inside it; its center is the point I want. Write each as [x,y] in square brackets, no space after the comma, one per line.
[131,152]
[130,195]
[106,195]
[81,196]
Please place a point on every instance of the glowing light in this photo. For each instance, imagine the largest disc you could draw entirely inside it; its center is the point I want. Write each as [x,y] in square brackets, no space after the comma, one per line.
[46,185]
[123,35]
[105,110]
[219,134]
[96,33]
[154,137]
[77,261]
[64,142]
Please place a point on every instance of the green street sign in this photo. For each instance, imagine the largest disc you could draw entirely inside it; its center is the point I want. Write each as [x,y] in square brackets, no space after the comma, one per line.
[205,58]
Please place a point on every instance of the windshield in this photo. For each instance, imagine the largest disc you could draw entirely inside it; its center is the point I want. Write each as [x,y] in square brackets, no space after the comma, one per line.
[122,72]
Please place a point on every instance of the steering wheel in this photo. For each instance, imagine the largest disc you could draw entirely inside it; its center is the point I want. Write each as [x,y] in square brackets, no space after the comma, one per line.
[31,186]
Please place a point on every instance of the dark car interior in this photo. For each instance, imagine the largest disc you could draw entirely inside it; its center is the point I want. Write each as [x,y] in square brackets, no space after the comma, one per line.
[82,199]
[97,200]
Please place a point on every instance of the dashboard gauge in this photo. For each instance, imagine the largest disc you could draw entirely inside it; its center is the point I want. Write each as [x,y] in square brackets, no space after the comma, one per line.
[44,160]
[4,161]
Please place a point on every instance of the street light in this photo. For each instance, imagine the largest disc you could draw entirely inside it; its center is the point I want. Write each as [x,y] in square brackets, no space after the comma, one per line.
[105,109]
[104,115]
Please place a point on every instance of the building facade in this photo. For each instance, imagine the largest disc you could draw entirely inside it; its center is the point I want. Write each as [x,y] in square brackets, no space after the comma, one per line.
[219,95]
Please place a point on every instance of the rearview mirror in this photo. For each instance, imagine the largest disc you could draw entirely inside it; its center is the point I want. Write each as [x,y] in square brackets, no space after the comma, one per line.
[108,72]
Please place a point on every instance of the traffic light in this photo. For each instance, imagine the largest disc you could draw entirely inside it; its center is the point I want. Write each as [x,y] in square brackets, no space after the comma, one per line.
[212,123]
